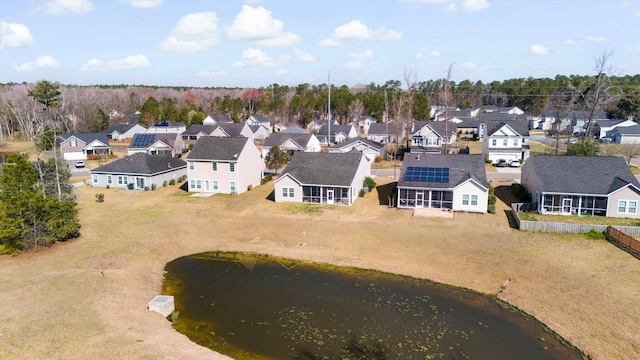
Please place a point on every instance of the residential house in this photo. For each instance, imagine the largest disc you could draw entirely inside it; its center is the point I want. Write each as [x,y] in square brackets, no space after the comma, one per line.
[294,129]
[582,185]
[233,130]
[227,165]
[139,171]
[437,111]
[315,124]
[580,119]
[291,142]
[156,143]
[259,132]
[339,133]
[508,140]
[167,126]
[195,132]
[216,119]
[79,146]
[322,178]
[484,117]
[625,135]
[443,181]
[364,122]
[605,126]
[257,119]
[124,131]
[456,116]
[371,149]
[431,136]
[385,132]
[502,109]
[468,128]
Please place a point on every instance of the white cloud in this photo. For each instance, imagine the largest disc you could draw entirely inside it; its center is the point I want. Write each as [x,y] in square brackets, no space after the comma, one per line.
[303,55]
[357,60]
[257,25]
[142,3]
[537,49]
[14,35]
[596,39]
[451,8]
[475,5]
[570,42]
[434,53]
[469,65]
[43,62]
[212,74]
[253,57]
[130,62]
[355,30]
[56,7]
[194,33]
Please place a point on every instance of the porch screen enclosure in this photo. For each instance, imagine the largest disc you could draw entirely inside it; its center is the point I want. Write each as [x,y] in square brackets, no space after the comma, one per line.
[573,204]
[326,195]
[434,199]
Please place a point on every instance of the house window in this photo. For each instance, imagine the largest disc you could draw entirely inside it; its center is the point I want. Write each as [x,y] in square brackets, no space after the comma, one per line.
[109,179]
[505,142]
[288,192]
[214,166]
[627,207]
[432,142]
[232,186]
[192,165]
[474,200]
[515,142]
[494,142]
[74,143]
[215,184]
[232,167]
[95,179]
[122,180]
[465,199]
[195,184]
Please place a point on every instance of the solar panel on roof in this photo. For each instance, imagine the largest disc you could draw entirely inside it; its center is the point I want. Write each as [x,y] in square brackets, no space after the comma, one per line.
[427,174]
[141,140]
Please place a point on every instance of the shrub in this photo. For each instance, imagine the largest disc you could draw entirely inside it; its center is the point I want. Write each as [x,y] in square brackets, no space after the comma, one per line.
[266,179]
[378,159]
[153,187]
[172,182]
[361,193]
[520,191]
[249,187]
[164,183]
[100,197]
[487,160]
[596,235]
[108,186]
[369,183]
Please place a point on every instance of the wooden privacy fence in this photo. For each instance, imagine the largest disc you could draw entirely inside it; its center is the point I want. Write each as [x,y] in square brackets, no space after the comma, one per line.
[623,239]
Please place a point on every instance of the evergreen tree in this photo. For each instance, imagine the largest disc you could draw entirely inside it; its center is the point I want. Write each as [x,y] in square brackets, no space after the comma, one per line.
[276,158]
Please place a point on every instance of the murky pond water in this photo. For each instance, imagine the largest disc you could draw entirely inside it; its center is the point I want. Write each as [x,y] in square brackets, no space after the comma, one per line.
[260,307]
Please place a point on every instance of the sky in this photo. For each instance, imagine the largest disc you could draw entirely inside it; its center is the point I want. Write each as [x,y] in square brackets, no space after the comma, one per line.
[256,43]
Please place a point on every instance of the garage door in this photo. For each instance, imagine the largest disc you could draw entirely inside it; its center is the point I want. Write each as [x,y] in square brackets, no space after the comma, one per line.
[75,156]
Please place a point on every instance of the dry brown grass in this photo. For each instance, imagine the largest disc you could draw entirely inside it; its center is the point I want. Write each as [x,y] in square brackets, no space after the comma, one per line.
[87,298]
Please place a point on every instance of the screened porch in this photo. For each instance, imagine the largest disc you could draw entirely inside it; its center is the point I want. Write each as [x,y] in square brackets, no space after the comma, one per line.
[327,195]
[572,204]
[433,199]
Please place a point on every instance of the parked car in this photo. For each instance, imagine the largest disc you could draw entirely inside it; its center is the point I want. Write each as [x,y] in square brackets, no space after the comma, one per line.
[606,140]
[79,164]
[501,163]
[514,163]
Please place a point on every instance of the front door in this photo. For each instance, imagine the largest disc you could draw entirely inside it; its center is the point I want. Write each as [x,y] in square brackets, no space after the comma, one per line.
[330,196]
[566,205]
[206,186]
[140,183]
[419,199]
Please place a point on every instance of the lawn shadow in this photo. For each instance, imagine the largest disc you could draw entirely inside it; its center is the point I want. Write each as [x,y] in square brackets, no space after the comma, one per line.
[503,192]
[271,196]
[184,187]
[512,220]
[386,193]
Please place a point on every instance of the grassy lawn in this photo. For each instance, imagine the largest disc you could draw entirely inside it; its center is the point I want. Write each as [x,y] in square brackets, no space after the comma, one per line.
[7,148]
[595,220]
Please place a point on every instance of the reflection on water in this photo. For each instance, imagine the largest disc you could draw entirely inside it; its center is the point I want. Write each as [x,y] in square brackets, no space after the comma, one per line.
[260,307]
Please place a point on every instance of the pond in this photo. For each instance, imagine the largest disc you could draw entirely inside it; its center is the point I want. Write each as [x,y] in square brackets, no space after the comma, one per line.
[260,307]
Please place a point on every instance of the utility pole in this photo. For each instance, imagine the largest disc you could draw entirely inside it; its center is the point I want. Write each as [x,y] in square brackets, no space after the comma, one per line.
[329,110]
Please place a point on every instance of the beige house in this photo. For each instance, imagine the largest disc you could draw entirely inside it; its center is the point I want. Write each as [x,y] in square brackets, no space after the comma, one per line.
[227,165]
[79,146]
[582,185]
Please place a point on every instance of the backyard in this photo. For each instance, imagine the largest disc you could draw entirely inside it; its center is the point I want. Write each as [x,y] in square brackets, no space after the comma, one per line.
[87,298]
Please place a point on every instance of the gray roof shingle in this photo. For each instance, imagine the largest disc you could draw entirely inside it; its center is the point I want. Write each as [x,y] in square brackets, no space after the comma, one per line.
[218,148]
[87,137]
[336,169]
[277,139]
[597,175]
[141,164]
[461,168]
[519,126]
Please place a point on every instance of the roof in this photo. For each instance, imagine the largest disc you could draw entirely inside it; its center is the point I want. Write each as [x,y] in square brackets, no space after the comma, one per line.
[218,148]
[582,114]
[220,118]
[232,129]
[440,127]
[295,130]
[484,117]
[627,130]
[351,142]
[382,128]
[141,163]
[256,128]
[169,123]
[609,123]
[598,175]
[335,129]
[87,137]
[144,140]
[519,126]
[196,129]
[337,169]
[277,139]
[461,167]
[120,128]
[259,118]
[468,124]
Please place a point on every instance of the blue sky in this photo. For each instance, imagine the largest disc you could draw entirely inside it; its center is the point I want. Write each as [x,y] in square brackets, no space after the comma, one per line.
[234,43]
